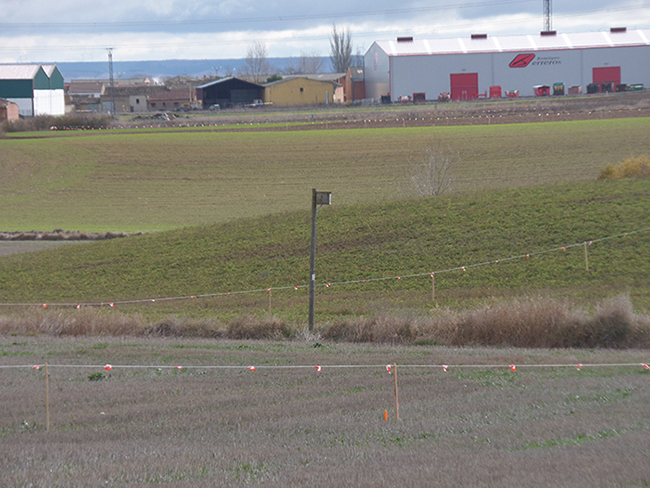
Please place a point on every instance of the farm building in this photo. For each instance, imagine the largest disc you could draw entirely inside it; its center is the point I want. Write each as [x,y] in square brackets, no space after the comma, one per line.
[94,89]
[354,85]
[36,89]
[228,92]
[170,100]
[546,63]
[300,90]
[131,97]
[84,96]
[8,111]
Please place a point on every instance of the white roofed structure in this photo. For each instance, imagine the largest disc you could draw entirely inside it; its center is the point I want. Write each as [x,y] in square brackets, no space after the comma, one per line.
[406,66]
[36,89]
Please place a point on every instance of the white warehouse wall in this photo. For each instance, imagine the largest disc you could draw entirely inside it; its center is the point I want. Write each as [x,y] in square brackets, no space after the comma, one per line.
[375,68]
[405,75]
[430,74]
[49,102]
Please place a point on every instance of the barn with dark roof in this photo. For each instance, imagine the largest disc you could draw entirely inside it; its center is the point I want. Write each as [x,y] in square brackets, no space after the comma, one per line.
[229,92]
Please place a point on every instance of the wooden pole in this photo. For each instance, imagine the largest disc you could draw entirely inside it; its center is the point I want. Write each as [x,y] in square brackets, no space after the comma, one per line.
[586,257]
[270,309]
[312,262]
[396,396]
[47,399]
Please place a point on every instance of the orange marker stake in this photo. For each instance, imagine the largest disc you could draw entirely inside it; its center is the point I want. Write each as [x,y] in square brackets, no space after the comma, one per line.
[385,415]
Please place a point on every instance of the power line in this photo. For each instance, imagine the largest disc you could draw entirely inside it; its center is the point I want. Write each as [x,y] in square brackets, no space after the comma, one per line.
[268,38]
[265,19]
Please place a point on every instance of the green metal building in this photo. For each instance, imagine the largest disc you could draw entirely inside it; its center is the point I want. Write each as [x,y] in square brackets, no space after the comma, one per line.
[36,89]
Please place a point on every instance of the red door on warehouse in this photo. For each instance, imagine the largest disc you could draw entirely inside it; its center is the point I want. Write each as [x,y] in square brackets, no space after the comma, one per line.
[607,78]
[464,86]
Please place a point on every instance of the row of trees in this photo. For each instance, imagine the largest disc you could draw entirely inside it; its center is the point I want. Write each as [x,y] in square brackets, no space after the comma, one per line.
[258,68]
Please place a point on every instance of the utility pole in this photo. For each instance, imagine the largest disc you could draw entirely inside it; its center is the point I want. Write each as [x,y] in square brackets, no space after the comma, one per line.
[111,80]
[317,198]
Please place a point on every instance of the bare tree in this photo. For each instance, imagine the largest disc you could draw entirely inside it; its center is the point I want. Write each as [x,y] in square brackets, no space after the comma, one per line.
[291,67]
[256,65]
[306,64]
[433,174]
[357,58]
[311,63]
[340,50]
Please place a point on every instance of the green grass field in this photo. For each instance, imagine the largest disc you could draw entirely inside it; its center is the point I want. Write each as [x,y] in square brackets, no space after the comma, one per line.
[519,189]
[364,242]
[233,214]
[162,181]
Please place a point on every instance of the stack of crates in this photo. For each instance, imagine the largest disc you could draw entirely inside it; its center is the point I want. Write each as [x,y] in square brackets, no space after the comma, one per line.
[495,91]
[542,90]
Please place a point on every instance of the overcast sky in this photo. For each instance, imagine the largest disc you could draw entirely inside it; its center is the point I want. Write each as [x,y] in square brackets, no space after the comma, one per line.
[82,30]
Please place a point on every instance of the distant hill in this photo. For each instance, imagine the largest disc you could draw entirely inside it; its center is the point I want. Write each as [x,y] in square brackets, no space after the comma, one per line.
[159,69]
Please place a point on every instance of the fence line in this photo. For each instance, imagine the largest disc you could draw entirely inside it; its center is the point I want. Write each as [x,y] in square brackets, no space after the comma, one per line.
[389,368]
[320,367]
[349,282]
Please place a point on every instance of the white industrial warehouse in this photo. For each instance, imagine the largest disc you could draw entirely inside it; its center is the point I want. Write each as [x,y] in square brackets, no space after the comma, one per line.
[526,65]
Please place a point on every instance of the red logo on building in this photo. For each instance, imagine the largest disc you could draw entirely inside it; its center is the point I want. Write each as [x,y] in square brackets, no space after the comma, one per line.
[521,60]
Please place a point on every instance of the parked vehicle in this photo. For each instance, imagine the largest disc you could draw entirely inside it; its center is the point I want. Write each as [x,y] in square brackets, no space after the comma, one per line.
[257,103]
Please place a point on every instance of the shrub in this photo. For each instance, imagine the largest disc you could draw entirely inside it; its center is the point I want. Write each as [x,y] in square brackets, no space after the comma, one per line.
[522,323]
[48,122]
[378,329]
[530,322]
[252,328]
[67,322]
[436,329]
[433,174]
[615,325]
[175,327]
[632,167]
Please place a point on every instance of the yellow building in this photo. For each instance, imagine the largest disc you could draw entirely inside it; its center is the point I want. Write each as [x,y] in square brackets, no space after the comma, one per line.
[299,91]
